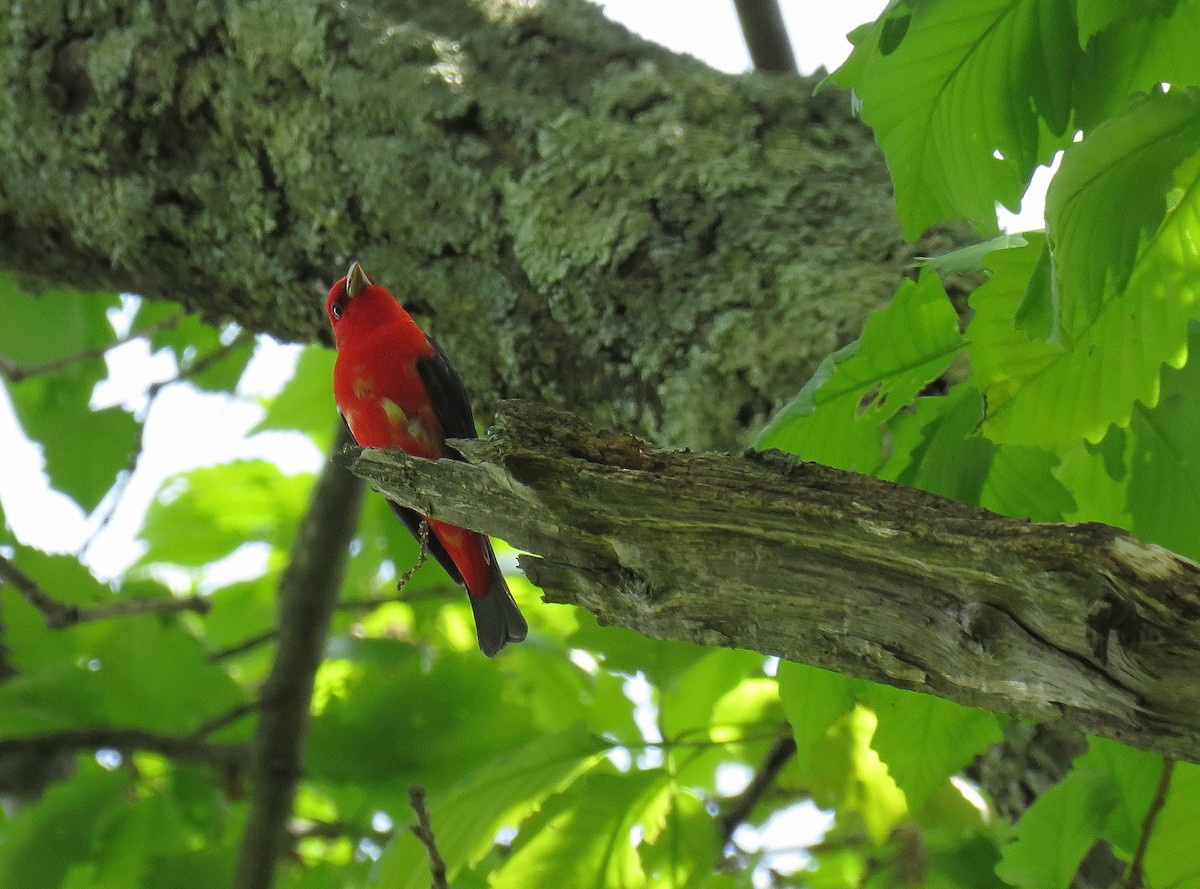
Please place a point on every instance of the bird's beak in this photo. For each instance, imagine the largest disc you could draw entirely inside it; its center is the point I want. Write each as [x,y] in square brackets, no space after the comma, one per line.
[356,280]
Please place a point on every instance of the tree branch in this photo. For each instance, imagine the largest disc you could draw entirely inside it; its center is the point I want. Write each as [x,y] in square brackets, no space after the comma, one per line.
[740,806]
[766,36]
[423,831]
[60,615]
[1137,877]
[189,749]
[307,593]
[15,373]
[569,247]
[1080,623]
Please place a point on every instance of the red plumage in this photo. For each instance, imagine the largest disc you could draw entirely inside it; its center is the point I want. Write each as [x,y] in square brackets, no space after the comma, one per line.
[395,388]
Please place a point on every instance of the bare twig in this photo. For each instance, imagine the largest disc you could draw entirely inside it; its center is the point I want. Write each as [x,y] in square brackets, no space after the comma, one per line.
[225,756]
[423,831]
[60,615]
[307,592]
[228,718]
[423,538]
[740,806]
[1136,878]
[242,647]
[15,373]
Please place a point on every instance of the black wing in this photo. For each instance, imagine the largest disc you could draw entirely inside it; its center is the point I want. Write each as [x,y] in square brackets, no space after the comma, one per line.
[448,394]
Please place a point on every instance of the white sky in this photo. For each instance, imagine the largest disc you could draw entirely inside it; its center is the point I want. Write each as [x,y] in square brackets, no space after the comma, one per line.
[707,29]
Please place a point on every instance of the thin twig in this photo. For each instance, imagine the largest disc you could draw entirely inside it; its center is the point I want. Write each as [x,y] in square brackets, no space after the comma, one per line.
[59,615]
[225,756]
[1136,878]
[740,807]
[423,831]
[423,537]
[221,721]
[242,647]
[15,373]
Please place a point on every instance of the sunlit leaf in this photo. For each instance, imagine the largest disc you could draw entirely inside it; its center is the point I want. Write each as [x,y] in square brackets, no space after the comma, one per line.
[1067,393]
[1051,838]
[573,847]
[925,740]
[305,403]
[837,417]
[207,513]
[467,817]
[961,125]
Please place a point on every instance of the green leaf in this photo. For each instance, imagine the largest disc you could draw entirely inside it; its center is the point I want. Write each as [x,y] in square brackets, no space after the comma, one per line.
[1056,395]
[972,259]
[305,403]
[84,450]
[1171,858]
[205,514]
[582,837]
[57,324]
[1149,43]
[686,707]
[1097,15]
[950,457]
[466,819]
[837,417]
[925,740]
[1164,482]
[1003,352]
[1021,483]
[813,700]
[1135,775]
[1056,832]
[359,733]
[1109,195]
[681,841]
[58,832]
[1097,477]
[962,127]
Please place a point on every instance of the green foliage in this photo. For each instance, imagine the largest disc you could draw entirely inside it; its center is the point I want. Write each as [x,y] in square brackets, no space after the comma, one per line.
[591,756]
[1076,403]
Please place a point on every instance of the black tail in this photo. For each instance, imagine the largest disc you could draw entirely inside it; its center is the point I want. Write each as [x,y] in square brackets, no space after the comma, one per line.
[498,621]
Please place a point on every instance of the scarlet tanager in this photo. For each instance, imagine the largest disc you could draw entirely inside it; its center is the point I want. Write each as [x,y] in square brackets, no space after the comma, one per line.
[395,388]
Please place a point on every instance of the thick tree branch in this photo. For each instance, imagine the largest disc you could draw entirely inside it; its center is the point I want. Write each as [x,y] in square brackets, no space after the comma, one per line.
[1081,623]
[307,594]
[576,213]
[766,36]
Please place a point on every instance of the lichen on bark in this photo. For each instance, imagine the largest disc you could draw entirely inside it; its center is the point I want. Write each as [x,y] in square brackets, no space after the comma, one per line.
[577,214]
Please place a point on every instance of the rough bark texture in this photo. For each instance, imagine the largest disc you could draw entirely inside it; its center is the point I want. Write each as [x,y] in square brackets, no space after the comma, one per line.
[1078,623]
[577,214]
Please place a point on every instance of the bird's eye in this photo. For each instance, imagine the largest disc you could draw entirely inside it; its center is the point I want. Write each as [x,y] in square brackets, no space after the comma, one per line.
[336,311]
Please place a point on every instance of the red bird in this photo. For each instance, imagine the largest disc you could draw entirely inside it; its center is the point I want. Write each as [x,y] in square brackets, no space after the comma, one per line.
[395,388]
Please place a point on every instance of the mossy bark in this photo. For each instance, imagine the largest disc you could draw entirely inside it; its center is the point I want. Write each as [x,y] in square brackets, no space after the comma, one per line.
[1078,624]
[580,216]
